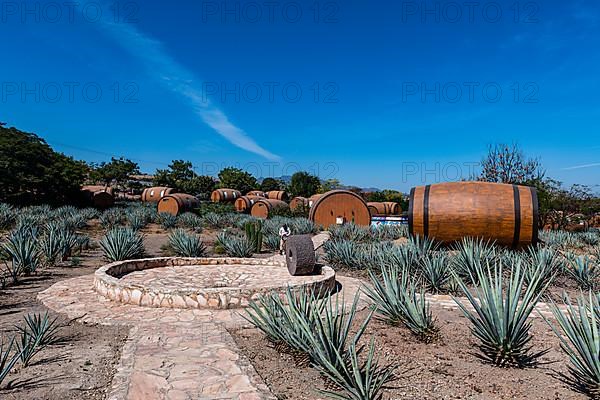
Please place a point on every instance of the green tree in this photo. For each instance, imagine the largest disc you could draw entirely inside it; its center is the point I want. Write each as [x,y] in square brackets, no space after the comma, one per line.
[33,173]
[235,178]
[118,171]
[304,184]
[329,184]
[180,175]
[269,184]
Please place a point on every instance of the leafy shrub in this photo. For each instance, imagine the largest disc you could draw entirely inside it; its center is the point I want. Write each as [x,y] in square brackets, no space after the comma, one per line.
[396,300]
[581,343]
[121,243]
[185,244]
[500,320]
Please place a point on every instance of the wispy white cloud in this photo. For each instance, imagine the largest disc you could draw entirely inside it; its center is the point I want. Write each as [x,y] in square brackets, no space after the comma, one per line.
[162,67]
[592,165]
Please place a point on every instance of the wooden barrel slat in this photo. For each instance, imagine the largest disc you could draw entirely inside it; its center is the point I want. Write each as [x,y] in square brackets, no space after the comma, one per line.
[225,195]
[340,206]
[506,214]
[177,203]
[263,207]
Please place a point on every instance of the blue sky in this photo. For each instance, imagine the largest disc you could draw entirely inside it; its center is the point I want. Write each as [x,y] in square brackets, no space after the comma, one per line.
[379,93]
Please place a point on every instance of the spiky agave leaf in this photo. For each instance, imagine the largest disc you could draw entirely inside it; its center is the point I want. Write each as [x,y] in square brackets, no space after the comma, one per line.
[41,327]
[288,320]
[396,300]
[436,272]
[121,243]
[580,340]
[271,241]
[331,333]
[7,362]
[500,320]
[22,251]
[236,246]
[360,378]
[546,262]
[585,271]
[185,244]
[191,221]
[472,255]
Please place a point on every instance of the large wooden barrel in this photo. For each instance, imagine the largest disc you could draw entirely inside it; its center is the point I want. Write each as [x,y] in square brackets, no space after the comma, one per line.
[339,207]
[277,195]
[447,212]
[99,196]
[263,208]
[154,194]
[299,202]
[245,203]
[177,203]
[225,195]
[258,193]
[384,208]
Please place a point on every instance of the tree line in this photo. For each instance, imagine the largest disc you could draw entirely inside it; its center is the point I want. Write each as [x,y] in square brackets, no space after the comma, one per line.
[33,173]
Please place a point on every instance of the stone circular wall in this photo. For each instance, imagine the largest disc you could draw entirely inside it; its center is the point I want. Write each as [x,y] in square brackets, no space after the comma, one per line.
[175,282]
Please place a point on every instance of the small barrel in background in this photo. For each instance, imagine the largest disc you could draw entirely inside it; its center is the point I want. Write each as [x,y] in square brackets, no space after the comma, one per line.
[338,207]
[244,204]
[225,195]
[264,208]
[298,202]
[384,208]
[258,193]
[448,212]
[99,196]
[154,194]
[177,203]
[277,195]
